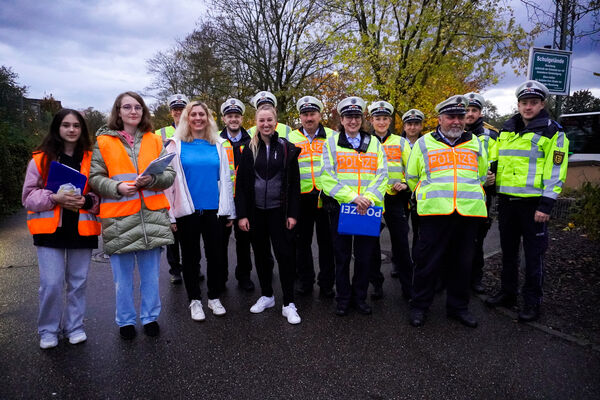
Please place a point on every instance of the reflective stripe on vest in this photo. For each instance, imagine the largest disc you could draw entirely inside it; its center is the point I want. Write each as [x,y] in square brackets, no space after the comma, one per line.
[231,159]
[354,169]
[309,160]
[166,132]
[47,221]
[395,150]
[121,168]
[521,165]
[451,182]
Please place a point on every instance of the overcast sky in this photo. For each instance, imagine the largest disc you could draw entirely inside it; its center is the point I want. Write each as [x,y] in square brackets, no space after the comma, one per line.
[84,53]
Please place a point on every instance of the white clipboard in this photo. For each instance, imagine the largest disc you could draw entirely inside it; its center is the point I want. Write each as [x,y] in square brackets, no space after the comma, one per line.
[159,165]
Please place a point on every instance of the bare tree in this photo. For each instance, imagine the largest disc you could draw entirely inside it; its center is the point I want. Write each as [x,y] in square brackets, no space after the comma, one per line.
[565,17]
[273,45]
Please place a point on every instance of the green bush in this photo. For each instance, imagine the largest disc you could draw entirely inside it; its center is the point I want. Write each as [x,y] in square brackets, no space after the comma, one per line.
[587,210]
[15,153]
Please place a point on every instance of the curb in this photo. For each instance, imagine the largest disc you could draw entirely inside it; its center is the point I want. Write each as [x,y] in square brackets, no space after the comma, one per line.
[546,329]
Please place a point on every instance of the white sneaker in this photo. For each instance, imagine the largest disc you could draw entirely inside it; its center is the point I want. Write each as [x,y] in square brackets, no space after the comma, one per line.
[78,338]
[48,342]
[197,311]
[262,303]
[291,314]
[216,307]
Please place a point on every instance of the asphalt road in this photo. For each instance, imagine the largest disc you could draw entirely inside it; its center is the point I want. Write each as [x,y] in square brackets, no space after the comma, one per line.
[247,356]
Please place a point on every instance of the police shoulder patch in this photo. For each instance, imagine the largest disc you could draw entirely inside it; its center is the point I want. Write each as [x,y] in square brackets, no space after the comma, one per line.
[558,158]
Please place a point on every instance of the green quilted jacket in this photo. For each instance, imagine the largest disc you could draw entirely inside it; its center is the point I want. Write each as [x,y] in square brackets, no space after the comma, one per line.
[144,230]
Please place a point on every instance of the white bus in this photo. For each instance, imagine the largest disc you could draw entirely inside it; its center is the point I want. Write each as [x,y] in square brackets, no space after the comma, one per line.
[583,131]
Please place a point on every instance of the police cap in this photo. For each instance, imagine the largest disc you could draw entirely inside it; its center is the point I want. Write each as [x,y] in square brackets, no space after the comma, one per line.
[413,115]
[475,100]
[351,106]
[232,106]
[177,101]
[309,103]
[532,89]
[456,105]
[263,97]
[381,107]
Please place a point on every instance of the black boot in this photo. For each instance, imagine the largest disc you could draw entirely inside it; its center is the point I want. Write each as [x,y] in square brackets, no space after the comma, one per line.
[416,317]
[529,313]
[501,299]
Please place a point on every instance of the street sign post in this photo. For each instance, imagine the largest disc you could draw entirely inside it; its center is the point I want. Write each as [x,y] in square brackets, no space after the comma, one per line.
[552,68]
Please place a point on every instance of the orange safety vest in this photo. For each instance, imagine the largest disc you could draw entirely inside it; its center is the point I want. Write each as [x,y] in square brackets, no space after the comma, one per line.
[121,168]
[48,221]
[231,159]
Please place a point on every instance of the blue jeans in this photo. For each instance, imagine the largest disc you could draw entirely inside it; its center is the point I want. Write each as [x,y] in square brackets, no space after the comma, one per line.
[123,265]
[62,270]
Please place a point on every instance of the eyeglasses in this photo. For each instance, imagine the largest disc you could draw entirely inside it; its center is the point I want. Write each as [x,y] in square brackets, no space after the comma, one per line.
[129,107]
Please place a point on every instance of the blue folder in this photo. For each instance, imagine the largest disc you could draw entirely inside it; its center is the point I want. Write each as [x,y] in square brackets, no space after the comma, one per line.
[352,223]
[59,174]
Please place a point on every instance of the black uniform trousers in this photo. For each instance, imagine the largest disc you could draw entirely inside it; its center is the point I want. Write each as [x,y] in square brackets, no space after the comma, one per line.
[397,223]
[363,246]
[516,219]
[242,251]
[410,208]
[174,257]
[484,227]
[310,216]
[446,245]
[478,260]
[268,227]
[191,227]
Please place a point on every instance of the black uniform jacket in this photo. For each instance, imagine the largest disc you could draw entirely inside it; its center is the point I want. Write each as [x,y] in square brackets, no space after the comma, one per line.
[237,153]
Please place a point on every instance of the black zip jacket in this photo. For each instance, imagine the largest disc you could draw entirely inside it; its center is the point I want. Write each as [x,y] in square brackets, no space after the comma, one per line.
[245,181]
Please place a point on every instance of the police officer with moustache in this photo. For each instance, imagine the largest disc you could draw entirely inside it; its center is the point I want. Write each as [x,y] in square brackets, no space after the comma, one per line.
[177,103]
[232,111]
[445,170]
[310,138]
[354,171]
[397,150]
[532,168]
[488,137]
[412,127]
[265,97]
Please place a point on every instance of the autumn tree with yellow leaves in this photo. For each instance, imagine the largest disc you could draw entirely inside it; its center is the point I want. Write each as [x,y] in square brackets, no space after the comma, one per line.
[415,53]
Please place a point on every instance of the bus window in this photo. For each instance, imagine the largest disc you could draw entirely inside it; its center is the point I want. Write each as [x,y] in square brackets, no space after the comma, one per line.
[583,131]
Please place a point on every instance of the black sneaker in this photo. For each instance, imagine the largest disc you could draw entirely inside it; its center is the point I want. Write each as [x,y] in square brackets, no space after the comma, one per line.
[127,332]
[152,329]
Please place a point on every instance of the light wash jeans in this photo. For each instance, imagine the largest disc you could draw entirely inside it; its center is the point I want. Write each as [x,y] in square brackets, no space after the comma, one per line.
[123,265]
[60,268]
